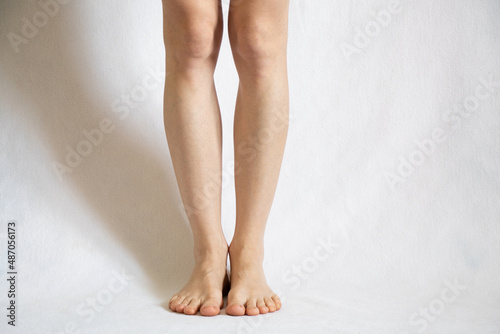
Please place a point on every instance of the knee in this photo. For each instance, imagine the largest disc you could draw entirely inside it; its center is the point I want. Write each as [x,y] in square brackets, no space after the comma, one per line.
[195,41]
[256,43]
[198,41]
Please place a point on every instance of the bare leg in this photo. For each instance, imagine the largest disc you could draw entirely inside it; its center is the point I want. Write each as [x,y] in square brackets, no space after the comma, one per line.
[192,34]
[258,36]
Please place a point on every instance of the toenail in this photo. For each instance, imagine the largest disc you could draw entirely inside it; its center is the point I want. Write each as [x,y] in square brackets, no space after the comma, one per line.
[213,307]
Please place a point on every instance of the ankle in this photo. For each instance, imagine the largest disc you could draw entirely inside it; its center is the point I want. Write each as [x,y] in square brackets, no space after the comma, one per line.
[252,250]
[210,250]
[242,242]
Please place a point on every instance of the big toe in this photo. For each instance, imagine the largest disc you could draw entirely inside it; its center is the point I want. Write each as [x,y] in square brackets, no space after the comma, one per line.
[235,309]
[210,308]
[209,311]
[235,303]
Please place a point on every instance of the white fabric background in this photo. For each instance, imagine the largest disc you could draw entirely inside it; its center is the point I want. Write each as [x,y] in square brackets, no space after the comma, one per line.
[393,250]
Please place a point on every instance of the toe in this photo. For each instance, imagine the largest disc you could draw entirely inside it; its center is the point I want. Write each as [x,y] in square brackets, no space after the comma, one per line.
[235,305]
[174,297]
[174,302]
[270,304]
[209,311]
[192,307]
[235,309]
[210,308]
[261,305]
[277,301]
[182,305]
[252,307]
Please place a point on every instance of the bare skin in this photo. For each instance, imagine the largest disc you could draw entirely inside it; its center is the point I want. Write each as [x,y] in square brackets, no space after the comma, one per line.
[258,36]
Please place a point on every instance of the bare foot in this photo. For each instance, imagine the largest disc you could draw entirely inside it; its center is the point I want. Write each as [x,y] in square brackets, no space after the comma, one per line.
[249,292]
[204,289]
